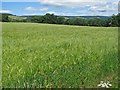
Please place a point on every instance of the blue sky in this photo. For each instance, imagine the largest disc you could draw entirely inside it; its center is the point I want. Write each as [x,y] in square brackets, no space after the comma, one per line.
[61,7]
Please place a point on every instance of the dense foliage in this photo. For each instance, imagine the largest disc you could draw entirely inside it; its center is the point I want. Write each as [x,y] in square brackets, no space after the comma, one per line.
[4,17]
[53,19]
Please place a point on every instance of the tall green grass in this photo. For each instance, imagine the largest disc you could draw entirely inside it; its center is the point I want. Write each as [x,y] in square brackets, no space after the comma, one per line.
[0,55]
[44,55]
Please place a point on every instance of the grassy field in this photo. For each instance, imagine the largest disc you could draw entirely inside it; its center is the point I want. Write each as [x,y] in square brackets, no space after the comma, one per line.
[44,55]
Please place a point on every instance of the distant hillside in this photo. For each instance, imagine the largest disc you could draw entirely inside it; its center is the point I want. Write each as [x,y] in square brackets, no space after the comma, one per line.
[69,17]
[87,17]
[6,14]
[73,17]
[67,20]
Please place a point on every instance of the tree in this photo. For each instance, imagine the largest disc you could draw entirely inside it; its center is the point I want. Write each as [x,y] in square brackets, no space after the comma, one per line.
[114,21]
[50,18]
[60,20]
[36,19]
[4,17]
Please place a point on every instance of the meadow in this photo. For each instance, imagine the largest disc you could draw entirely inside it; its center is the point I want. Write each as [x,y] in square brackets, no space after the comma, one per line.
[55,56]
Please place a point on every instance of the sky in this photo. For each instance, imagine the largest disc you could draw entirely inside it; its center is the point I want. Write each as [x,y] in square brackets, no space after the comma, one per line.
[61,7]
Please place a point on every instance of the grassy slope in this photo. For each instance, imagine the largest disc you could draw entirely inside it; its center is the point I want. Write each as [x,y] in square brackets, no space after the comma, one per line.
[45,55]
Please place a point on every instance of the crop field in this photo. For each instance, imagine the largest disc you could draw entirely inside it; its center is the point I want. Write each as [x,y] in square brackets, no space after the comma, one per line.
[55,56]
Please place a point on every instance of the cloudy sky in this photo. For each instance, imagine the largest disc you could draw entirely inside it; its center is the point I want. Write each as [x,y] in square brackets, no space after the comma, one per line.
[61,7]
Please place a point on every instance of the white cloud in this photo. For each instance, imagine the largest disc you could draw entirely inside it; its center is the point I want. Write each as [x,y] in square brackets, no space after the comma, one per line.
[104,7]
[84,7]
[31,14]
[61,13]
[5,11]
[99,9]
[35,9]
[115,3]
[75,3]
[44,9]
[30,9]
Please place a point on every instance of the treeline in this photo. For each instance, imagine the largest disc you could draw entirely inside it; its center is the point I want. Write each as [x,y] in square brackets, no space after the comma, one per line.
[53,19]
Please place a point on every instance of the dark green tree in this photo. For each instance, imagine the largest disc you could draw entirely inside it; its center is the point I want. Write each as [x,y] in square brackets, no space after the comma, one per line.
[4,17]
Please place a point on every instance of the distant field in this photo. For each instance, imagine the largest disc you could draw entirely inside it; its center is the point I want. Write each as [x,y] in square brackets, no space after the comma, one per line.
[44,55]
